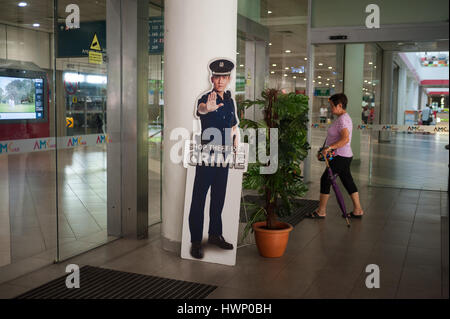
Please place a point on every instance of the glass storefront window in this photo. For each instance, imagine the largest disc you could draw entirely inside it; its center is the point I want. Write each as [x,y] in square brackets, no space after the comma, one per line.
[155,109]
[28,237]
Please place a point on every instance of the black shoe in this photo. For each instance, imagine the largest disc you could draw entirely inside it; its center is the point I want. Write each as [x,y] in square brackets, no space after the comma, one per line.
[219,241]
[196,250]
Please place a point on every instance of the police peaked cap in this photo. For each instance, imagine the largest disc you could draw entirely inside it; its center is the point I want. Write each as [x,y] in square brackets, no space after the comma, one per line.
[221,67]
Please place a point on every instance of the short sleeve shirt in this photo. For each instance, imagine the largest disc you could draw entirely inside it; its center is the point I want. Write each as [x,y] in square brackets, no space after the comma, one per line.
[334,134]
[223,118]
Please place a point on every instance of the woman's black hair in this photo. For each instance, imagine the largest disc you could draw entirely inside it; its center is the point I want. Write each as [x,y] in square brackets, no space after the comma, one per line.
[339,98]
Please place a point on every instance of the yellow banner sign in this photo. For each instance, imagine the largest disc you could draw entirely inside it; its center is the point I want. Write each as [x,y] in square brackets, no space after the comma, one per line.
[95,57]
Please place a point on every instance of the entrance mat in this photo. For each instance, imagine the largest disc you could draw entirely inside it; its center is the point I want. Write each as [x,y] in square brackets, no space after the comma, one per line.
[101,283]
[304,206]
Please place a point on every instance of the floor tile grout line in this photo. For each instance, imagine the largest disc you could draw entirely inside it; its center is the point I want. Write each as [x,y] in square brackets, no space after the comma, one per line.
[407,248]
[35,212]
[90,214]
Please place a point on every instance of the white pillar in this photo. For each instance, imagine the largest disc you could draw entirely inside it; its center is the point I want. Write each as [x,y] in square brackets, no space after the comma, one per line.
[196,31]
[386,108]
[402,96]
[353,84]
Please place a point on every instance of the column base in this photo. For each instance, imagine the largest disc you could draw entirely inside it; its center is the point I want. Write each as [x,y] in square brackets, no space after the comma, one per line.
[170,245]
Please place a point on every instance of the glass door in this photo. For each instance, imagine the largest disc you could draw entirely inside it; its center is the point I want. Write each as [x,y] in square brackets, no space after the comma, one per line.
[155,110]
[81,113]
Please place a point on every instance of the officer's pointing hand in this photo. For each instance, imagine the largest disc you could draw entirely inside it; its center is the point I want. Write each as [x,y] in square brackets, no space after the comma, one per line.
[211,104]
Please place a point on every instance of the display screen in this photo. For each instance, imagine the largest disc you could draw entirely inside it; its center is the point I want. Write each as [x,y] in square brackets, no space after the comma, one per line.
[21,98]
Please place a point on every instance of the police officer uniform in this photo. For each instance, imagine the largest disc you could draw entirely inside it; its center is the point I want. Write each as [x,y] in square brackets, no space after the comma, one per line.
[214,177]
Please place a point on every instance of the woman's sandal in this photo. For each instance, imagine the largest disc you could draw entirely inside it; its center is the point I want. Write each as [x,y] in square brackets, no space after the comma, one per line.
[314,215]
[351,215]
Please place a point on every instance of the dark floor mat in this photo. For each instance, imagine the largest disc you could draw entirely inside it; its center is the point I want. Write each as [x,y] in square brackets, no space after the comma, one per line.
[304,206]
[101,283]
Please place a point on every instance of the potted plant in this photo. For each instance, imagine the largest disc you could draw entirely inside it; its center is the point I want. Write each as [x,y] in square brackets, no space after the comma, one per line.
[288,113]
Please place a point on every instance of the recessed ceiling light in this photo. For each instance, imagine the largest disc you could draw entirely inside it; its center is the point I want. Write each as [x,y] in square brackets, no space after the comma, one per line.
[269,12]
[320,82]
[286,68]
[314,81]
[237,52]
[294,77]
[370,63]
[272,72]
[36,25]
[274,64]
[270,43]
[306,59]
[374,66]
[241,65]
[330,67]
[319,77]
[287,51]
[284,74]
[365,81]
[320,64]
[328,79]
[304,79]
[22,4]
[333,85]
[369,82]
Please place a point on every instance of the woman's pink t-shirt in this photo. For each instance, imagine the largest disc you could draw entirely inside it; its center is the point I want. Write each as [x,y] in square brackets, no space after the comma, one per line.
[334,134]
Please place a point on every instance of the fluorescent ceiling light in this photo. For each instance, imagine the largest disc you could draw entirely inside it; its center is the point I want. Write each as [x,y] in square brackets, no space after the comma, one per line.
[320,64]
[96,79]
[330,67]
[272,72]
[36,25]
[241,65]
[22,4]
[269,12]
[274,64]
[287,51]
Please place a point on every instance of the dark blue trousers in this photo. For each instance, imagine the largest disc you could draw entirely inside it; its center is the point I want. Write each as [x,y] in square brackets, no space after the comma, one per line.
[206,177]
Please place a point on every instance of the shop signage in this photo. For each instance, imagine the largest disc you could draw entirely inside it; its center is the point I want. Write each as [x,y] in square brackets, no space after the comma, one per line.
[78,42]
[51,143]
[156,35]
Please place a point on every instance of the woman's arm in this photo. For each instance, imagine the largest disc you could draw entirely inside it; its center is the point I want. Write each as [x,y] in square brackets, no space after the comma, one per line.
[345,138]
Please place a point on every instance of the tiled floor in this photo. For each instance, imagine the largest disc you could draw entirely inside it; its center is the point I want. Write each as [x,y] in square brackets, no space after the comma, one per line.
[402,233]
[28,211]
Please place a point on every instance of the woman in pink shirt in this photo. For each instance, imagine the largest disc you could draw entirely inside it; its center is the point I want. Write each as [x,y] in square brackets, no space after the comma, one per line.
[338,138]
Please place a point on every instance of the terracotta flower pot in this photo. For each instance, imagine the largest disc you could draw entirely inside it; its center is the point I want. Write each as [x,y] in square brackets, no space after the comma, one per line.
[272,242]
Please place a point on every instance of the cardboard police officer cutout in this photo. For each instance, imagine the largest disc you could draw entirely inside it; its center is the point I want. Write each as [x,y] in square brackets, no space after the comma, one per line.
[215,160]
